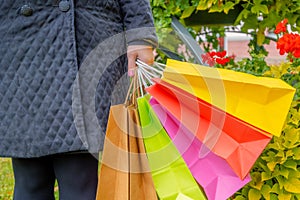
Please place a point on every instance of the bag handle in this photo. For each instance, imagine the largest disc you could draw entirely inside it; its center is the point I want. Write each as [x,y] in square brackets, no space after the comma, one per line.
[141,79]
[131,93]
[147,72]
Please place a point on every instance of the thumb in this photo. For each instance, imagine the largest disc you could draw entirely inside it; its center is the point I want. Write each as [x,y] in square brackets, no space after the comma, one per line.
[131,63]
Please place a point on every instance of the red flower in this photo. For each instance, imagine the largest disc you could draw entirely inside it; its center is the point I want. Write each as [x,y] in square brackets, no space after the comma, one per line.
[208,59]
[221,54]
[296,53]
[289,43]
[211,58]
[281,27]
[212,54]
[222,61]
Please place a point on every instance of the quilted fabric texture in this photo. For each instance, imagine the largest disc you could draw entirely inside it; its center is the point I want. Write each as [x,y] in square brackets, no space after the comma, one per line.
[59,69]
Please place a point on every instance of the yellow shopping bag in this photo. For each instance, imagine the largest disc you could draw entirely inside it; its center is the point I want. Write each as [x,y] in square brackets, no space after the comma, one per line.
[261,101]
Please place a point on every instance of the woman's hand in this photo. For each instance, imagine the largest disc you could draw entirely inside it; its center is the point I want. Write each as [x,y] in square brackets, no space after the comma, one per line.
[141,52]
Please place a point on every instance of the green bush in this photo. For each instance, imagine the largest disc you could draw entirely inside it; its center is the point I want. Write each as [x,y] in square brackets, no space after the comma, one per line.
[6,179]
[276,174]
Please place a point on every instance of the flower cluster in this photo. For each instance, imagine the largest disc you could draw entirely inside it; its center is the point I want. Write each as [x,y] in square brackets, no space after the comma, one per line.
[211,58]
[182,50]
[288,43]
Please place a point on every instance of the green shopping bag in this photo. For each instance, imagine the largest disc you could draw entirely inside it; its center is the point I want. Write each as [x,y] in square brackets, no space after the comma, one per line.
[171,176]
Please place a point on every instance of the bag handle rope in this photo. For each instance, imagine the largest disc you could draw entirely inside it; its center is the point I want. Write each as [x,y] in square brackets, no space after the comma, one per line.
[143,75]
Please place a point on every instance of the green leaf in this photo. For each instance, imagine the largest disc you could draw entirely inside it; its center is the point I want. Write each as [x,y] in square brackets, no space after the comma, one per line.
[243,14]
[276,171]
[297,196]
[245,191]
[280,154]
[260,36]
[260,9]
[271,19]
[281,182]
[292,185]
[294,120]
[250,22]
[257,2]
[290,164]
[265,191]
[254,194]
[284,196]
[264,167]
[289,153]
[279,5]
[216,8]
[205,5]
[275,188]
[256,180]
[296,152]
[265,176]
[292,134]
[294,174]
[187,12]
[271,165]
[273,196]
[284,172]
[228,6]
[240,197]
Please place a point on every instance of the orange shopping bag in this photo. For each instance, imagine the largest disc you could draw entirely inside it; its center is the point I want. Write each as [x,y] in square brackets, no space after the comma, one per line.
[124,170]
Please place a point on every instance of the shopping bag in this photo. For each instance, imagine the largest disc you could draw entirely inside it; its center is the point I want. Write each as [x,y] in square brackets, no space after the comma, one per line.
[239,143]
[261,101]
[171,176]
[124,171]
[211,171]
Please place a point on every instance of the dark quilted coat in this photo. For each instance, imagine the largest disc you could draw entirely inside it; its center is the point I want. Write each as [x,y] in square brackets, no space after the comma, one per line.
[59,64]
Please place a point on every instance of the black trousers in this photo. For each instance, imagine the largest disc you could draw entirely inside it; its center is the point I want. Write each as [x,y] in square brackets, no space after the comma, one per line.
[76,175]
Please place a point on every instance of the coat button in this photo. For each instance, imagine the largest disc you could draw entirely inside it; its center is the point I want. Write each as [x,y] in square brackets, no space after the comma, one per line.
[64,6]
[26,10]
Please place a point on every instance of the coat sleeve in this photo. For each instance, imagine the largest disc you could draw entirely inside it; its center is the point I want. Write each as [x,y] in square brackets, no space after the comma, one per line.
[138,21]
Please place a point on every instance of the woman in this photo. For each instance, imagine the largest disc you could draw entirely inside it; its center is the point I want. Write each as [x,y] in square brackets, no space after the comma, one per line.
[52,53]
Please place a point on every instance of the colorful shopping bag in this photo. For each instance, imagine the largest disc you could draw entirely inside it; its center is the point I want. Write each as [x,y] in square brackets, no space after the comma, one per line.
[171,176]
[239,143]
[124,170]
[211,171]
[260,101]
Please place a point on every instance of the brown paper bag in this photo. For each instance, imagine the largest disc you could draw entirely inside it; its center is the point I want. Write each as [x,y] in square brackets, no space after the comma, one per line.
[124,171]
